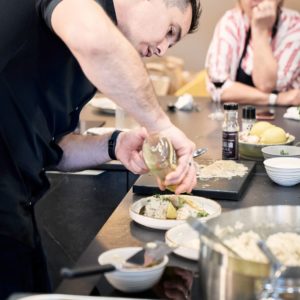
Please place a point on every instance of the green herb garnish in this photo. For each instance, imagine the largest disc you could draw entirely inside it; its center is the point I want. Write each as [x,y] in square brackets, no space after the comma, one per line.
[283,152]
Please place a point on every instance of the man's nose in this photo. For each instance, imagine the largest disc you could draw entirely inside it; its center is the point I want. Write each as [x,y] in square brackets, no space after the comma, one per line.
[162,47]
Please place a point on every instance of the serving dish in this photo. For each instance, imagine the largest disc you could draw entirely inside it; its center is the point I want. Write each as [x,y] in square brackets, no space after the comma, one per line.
[254,151]
[185,240]
[212,207]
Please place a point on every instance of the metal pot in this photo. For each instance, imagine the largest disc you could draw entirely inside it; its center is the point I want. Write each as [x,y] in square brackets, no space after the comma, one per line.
[223,277]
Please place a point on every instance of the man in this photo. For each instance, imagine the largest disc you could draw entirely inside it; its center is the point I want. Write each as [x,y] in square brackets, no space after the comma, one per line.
[54,55]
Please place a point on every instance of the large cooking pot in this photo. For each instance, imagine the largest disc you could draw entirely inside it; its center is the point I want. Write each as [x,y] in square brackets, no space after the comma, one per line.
[223,277]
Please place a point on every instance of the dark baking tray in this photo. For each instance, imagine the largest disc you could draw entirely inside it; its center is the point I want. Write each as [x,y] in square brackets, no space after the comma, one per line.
[217,188]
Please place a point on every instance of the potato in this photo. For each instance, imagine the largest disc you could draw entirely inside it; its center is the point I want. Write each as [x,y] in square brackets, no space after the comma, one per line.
[273,135]
[259,127]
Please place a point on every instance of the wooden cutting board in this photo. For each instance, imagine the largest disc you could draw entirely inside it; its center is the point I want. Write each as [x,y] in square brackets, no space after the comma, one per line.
[216,188]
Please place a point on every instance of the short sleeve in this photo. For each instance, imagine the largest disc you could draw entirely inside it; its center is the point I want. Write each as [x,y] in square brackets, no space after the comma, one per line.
[45,9]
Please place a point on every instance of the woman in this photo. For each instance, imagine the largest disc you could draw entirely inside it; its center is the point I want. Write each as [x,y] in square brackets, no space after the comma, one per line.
[255,55]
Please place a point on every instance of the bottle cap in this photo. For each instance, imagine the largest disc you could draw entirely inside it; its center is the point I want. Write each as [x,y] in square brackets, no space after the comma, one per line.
[231,106]
[249,112]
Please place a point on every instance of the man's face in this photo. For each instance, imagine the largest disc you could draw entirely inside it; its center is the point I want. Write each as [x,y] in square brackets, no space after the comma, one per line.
[152,27]
[248,5]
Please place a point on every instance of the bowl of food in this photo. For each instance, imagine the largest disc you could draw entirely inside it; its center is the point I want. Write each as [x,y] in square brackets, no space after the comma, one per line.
[280,151]
[261,135]
[133,279]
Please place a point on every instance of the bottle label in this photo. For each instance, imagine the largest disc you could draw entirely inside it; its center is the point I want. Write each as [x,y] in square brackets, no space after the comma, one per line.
[230,145]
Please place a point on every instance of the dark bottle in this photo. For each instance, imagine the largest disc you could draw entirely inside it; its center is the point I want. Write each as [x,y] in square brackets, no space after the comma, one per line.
[230,142]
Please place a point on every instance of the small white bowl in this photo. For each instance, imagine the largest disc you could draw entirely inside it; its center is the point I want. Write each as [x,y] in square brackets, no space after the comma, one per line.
[283,170]
[130,280]
[280,151]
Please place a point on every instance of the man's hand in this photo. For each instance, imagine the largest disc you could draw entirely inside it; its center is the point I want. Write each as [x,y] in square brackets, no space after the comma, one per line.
[184,177]
[291,97]
[128,150]
[264,16]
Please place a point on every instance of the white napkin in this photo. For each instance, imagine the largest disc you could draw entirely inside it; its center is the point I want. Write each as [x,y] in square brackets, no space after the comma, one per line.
[185,102]
[292,113]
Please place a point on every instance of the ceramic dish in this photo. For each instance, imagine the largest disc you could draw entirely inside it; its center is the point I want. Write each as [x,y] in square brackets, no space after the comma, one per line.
[254,151]
[185,239]
[212,207]
[280,151]
[131,279]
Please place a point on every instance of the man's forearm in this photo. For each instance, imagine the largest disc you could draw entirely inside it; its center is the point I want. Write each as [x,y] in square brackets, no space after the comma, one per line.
[83,152]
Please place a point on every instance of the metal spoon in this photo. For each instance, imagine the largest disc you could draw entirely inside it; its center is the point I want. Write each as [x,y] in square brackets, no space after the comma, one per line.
[204,230]
[199,152]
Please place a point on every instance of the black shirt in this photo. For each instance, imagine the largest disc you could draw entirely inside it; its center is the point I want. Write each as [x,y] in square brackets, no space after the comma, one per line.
[42,90]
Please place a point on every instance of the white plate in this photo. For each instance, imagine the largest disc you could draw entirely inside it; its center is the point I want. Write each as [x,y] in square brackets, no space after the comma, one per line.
[104,104]
[212,207]
[185,239]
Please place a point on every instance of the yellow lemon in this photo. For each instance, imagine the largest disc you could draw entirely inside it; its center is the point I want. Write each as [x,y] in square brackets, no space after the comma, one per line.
[273,135]
[259,127]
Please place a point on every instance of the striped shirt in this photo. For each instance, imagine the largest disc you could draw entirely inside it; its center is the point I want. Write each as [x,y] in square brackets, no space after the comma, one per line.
[228,42]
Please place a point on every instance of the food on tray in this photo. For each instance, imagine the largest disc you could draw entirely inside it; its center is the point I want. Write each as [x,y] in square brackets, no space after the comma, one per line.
[264,133]
[221,169]
[171,207]
[284,245]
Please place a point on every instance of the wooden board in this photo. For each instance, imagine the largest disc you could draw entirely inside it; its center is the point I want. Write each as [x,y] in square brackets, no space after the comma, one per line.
[217,188]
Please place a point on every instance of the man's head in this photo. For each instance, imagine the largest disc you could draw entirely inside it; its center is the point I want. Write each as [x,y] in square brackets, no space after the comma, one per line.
[153,26]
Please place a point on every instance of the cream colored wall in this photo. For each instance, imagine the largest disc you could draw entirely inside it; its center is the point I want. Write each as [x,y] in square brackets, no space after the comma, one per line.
[193,47]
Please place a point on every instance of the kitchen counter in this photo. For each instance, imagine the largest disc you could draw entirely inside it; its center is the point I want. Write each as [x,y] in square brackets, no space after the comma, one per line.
[120,230]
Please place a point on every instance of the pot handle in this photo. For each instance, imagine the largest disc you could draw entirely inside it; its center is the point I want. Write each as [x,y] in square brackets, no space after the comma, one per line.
[86,271]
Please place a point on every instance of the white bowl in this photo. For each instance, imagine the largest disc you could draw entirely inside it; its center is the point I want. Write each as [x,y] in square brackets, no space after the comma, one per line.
[130,280]
[283,170]
[280,151]
[283,163]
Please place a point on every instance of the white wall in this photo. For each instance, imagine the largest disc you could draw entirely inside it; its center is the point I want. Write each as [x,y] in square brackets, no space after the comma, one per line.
[193,47]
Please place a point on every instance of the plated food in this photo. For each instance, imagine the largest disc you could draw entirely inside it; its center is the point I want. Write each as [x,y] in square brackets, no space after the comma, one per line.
[167,211]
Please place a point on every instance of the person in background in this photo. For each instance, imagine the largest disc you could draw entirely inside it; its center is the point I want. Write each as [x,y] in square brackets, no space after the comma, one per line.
[255,55]
[54,55]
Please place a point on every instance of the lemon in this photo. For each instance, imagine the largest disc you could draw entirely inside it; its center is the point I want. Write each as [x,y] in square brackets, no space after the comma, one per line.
[259,127]
[171,211]
[273,135]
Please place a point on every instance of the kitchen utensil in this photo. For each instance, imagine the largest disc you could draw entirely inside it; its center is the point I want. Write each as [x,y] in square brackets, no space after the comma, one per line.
[231,278]
[205,231]
[151,254]
[199,152]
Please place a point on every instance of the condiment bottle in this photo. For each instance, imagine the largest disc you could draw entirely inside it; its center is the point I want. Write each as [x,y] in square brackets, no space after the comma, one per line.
[230,128]
[160,157]
[248,118]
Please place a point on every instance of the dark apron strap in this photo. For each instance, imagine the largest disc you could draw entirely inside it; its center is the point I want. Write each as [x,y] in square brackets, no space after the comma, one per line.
[241,76]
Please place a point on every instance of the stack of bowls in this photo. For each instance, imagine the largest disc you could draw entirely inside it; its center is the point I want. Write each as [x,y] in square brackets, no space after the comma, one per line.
[283,170]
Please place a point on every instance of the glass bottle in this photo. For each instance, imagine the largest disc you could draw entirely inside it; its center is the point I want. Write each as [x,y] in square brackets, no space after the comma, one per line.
[248,118]
[160,156]
[230,139]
